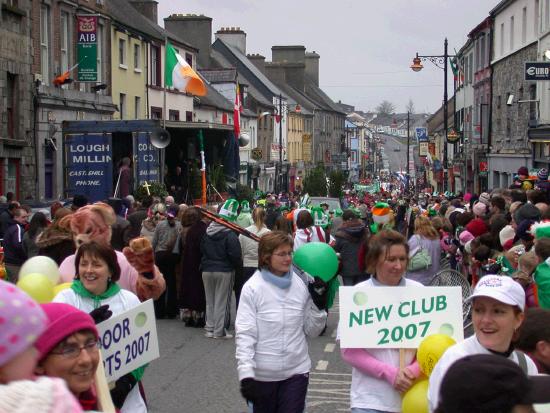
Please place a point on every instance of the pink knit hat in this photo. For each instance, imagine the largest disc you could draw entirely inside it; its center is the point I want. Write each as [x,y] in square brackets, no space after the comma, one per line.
[21,321]
[479,209]
[63,320]
[465,236]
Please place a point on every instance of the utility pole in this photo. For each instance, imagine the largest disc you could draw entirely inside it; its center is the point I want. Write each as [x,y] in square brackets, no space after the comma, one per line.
[407,185]
[280,142]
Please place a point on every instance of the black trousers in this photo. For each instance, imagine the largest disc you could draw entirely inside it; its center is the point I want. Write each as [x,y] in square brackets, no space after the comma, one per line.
[286,396]
[167,304]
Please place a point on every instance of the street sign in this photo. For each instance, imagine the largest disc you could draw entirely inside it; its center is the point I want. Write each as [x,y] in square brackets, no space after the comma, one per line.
[421,134]
[537,70]
[423,149]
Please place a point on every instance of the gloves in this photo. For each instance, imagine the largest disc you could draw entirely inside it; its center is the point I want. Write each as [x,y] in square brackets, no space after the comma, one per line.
[123,386]
[249,389]
[101,314]
[318,290]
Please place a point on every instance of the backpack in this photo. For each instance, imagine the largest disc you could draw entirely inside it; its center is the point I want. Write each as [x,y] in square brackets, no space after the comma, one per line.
[420,260]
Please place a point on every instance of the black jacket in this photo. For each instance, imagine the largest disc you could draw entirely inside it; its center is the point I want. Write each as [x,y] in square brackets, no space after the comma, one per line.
[221,250]
[348,242]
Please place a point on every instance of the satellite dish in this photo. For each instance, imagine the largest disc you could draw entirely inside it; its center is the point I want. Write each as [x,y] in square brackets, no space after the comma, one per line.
[244,139]
[160,138]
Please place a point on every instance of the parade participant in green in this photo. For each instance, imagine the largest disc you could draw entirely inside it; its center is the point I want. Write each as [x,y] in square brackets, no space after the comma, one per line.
[245,217]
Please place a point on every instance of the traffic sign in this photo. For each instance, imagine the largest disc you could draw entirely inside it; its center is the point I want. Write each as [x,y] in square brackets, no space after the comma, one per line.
[421,134]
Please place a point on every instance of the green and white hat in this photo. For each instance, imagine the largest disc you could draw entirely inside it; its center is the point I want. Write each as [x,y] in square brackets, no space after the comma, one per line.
[245,206]
[320,219]
[229,209]
[338,212]
[304,202]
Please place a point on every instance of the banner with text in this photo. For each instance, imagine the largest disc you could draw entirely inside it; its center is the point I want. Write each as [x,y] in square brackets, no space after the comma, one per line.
[398,317]
[147,159]
[89,166]
[86,48]
[129,340]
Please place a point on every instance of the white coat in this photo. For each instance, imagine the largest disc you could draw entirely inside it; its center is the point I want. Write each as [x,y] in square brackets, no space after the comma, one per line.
[249,247]
[271,328]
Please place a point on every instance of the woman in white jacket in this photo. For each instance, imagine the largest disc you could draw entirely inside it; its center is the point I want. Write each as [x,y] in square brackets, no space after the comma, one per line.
[249,249]
[275,315]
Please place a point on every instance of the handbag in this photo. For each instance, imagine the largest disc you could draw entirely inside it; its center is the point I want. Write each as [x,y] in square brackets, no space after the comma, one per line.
[420,260]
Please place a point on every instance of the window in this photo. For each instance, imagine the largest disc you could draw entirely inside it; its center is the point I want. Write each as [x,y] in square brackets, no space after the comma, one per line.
[156,112]
[137,56]
[511,33]
[502,39]
[12,178]
[173,115]
[155,66]
[137,107]
[11,106]
[524,26]
[188,116]
[122,106]
[45,43]
[122,52]
[64,39]
[483,57]
[189,59]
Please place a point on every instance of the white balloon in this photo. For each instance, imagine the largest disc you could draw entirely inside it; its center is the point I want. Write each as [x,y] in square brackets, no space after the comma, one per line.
[41,265]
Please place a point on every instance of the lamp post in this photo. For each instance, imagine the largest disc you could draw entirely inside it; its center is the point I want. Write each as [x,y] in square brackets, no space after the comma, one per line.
[441,62]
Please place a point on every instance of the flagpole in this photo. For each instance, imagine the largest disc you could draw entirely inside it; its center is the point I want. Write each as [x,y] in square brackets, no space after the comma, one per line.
[164,94]
[203,169]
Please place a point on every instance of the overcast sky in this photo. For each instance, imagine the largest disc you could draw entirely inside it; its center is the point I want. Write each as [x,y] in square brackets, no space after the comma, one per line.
[366,46]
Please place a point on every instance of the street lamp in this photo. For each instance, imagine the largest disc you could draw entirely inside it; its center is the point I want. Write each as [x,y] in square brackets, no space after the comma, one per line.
[441,62]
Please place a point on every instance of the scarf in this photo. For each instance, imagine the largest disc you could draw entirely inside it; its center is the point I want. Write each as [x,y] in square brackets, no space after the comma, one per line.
[112,289]
[282,281]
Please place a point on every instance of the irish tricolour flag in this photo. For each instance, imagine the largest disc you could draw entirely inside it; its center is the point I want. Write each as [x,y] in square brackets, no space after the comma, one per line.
[179,75]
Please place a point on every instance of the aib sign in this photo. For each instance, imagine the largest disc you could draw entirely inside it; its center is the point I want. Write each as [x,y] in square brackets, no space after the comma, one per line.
[537,70]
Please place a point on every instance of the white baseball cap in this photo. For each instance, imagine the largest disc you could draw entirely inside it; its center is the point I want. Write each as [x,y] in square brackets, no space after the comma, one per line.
[502,288]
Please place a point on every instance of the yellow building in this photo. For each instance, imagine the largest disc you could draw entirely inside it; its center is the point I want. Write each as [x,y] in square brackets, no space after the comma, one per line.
[128,73]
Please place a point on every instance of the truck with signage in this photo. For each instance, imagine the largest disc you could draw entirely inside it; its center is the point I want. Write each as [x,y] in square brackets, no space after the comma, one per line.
[93,151]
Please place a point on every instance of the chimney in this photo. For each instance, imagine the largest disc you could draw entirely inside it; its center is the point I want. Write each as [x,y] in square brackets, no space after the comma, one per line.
[288,54]
[312,66]
[233,36]
[257,60]
[194,29]
[148,8]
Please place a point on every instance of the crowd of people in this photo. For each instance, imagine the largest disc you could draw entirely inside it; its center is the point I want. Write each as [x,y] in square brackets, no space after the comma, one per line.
[121,252]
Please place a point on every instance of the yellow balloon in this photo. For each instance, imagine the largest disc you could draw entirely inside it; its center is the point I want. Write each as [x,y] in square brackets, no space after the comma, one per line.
[430,351]
[38,286]
[415,399]
[60,287]
[41,264]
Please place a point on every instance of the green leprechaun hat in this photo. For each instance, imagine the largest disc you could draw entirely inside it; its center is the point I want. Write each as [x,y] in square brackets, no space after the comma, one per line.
[540,230]
[229,210]
[245,206]
[320,219]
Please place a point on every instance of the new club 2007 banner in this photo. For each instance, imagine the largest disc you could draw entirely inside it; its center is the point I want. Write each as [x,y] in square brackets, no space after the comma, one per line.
[398,317]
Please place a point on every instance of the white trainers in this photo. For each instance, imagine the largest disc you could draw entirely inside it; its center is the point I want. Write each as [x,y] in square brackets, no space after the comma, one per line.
[225,336]
[209,334]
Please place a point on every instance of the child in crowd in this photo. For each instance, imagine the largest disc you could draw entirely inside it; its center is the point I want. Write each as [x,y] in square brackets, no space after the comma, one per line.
[21,322]
[524,275]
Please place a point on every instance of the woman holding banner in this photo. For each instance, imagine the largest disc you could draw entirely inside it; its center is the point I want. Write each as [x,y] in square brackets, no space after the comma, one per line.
[498,304]
[95,290]
[377,380]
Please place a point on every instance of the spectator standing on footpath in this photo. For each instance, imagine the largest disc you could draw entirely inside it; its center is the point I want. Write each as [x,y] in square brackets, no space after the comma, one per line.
[14,254]
[221,256]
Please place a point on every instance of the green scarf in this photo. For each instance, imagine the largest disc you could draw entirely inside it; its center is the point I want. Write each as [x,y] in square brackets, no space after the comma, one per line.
[112,289]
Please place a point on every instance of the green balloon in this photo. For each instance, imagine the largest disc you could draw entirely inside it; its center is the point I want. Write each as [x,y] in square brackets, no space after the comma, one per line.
[317,259]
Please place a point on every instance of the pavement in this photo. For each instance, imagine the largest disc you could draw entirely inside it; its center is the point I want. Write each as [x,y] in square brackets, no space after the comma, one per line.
[198,374]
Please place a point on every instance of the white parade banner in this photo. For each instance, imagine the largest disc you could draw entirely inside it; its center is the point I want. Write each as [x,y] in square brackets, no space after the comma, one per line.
[398,317]
[129,340]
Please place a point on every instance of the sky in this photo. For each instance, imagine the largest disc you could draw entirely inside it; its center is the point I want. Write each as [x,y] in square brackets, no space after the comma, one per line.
[366,46]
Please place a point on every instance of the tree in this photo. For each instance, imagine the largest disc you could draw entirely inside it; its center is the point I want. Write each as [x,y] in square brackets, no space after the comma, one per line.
[385,108]
[337,179]
[410,106]
[315,183]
